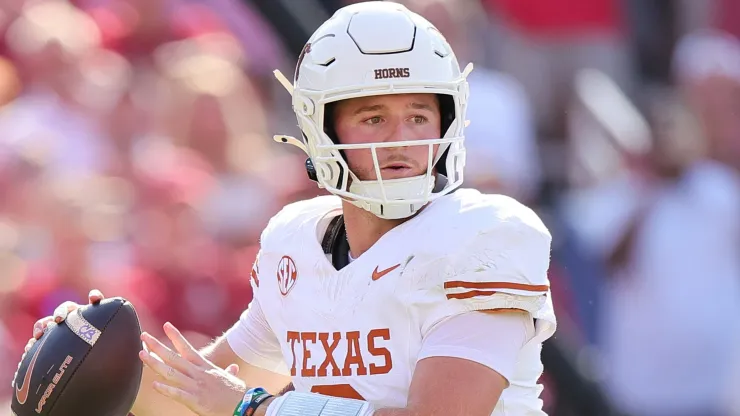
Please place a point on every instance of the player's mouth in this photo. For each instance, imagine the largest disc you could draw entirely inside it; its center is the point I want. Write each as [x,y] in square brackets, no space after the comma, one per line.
[397,170]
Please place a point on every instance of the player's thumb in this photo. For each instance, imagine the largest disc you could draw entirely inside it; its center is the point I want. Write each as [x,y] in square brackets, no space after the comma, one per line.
[95,296]
[233,369]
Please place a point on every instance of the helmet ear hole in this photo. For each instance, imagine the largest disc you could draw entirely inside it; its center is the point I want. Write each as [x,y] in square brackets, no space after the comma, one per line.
[447,117]
[446,111]
[329,129]
[329,110]
[441,165]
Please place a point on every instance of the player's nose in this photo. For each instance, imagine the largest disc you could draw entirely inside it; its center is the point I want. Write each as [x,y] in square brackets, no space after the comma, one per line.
[399,133]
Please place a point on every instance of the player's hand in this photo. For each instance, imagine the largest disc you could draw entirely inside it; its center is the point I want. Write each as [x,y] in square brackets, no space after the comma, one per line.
[189,378]
[60,314]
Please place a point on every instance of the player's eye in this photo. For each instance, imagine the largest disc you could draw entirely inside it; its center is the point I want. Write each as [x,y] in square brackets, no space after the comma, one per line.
[374,120]
[419,119]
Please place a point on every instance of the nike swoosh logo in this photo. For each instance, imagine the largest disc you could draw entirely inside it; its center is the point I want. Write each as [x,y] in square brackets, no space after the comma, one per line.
[22,393]
[377,275]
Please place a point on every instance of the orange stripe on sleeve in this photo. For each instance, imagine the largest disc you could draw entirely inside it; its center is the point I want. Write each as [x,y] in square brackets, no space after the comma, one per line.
[495,285]
[470,294]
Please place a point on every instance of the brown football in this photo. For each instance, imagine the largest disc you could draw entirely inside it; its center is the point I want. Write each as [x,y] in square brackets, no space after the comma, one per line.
[86,366]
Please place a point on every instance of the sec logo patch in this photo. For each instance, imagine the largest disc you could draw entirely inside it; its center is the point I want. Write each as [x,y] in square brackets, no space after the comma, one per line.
[287,274]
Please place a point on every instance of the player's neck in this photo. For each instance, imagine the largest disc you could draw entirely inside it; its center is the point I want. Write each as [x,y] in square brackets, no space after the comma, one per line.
[363,228]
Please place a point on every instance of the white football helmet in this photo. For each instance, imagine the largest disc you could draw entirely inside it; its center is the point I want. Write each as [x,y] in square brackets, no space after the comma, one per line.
[377,48]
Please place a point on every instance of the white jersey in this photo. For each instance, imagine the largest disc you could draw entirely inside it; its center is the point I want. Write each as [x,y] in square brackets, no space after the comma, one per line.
[358,332]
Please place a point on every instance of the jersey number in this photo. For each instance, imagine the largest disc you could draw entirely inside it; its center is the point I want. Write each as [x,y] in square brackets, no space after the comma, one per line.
[337,390]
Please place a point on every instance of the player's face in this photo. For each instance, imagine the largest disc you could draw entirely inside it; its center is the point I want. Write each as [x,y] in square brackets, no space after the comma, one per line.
[388,118]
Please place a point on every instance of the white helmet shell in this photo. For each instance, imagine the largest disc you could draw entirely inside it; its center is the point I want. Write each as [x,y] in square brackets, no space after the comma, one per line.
[378,48]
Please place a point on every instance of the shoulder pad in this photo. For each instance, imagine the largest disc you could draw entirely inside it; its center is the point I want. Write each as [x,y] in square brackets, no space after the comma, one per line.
[497,258]
[488,243]
[503,245]
[296,214]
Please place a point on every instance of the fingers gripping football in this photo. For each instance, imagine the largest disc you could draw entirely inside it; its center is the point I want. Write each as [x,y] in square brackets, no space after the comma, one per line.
[60,314]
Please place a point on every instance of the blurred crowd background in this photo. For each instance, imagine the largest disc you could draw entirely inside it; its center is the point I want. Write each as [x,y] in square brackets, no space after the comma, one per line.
[136,156]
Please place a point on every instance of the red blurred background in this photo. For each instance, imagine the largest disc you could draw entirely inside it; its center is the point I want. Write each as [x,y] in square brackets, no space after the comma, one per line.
[136,157]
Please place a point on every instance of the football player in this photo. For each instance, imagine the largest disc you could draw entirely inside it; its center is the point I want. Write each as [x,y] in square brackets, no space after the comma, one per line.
[398,294]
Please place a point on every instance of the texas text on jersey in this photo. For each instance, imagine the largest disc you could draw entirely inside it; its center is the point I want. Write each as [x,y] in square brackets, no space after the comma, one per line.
[358,332]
